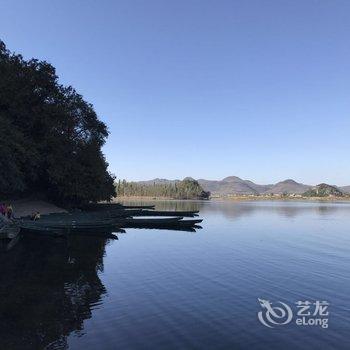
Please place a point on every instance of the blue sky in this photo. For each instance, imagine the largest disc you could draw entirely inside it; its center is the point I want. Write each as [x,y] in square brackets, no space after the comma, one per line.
[257,89]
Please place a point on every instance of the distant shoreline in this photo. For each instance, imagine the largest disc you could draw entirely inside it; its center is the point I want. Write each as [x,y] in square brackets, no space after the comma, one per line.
[282,198]
[150,198]
[241,198]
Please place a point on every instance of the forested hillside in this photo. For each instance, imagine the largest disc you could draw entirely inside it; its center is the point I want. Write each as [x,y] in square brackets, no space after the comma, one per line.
[324,190]
[185,189]
[50,137]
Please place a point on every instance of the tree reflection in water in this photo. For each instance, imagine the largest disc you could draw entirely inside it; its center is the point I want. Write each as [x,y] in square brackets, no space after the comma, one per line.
[48,287]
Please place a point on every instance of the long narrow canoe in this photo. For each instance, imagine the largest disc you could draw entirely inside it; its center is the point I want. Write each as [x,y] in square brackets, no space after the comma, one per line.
[68,226]
[63,231]
[99,213]
[7,244]
[173,222]
[9,231]
[138,206]
[189,214]
[105,214]
[108,217]
[114,206]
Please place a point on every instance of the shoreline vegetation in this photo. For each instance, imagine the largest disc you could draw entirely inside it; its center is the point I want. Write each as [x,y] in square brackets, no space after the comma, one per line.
[188,188]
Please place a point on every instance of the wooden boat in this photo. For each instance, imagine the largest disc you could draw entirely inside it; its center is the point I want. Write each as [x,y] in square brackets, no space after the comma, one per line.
[67,230]
[138,206]
[115,213]
[113,206]
[9,231]
[108,218]
[170,228]
[68,220]
[96,213]
[8,244]
[166,213]
[41,231]
[164,222]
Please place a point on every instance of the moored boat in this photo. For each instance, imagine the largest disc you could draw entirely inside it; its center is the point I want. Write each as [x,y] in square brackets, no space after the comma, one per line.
[107,221]
[9,231]
[164,222]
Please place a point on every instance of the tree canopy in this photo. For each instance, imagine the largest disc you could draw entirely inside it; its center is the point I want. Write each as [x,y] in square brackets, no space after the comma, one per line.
[50,137]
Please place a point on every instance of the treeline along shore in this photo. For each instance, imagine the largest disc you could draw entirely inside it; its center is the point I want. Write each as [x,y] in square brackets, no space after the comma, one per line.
[185,189]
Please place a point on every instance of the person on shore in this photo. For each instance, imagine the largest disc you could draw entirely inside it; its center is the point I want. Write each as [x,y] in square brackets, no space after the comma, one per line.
[35,216]
[9,211]
[2,209]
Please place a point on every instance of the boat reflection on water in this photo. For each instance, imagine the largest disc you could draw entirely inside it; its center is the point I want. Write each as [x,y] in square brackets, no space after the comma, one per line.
[48,287]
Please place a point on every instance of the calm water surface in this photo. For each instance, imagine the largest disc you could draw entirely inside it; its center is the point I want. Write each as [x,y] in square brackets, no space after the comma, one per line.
[158,289]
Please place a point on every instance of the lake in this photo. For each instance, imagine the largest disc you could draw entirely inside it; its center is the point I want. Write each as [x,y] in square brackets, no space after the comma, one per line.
[163,289]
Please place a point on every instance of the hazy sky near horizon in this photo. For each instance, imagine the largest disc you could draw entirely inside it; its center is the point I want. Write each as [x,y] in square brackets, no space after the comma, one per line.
[257,89]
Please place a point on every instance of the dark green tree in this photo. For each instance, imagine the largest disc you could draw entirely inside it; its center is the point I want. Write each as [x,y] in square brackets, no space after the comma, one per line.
[50,137]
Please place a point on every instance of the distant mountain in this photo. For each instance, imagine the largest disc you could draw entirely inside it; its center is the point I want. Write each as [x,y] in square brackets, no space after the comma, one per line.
[323,190]
[288,186]
[158,181]
[233,185]
[345,189]
[259,188]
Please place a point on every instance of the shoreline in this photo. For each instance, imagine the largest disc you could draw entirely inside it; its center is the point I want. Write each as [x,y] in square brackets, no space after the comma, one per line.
[282,198]
[239,198]
[150,198]
[26,206]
